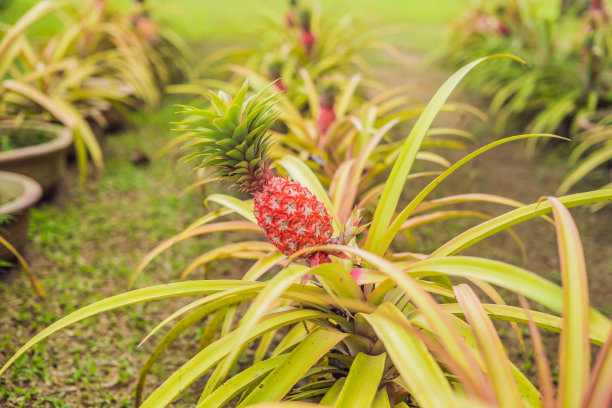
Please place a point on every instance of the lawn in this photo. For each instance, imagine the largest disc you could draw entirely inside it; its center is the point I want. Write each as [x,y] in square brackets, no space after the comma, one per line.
[85,243]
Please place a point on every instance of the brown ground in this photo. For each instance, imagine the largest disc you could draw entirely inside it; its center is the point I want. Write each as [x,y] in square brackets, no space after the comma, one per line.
[505,171]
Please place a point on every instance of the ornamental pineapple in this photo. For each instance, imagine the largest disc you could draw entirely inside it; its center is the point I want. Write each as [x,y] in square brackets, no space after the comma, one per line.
[327,114]
[237,142]
[307,38]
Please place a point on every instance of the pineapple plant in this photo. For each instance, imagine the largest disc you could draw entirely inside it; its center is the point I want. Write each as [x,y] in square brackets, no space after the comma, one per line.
[327,114]
[307,38]
[236,142]
[290,14]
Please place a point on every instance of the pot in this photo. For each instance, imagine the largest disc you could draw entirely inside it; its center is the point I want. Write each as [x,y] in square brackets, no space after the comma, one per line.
[22,192]
[44,162]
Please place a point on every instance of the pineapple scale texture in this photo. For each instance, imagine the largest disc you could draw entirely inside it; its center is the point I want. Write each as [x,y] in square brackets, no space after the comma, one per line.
[291,217]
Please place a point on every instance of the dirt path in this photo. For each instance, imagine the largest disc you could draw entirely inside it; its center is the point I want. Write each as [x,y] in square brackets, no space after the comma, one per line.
[505,171]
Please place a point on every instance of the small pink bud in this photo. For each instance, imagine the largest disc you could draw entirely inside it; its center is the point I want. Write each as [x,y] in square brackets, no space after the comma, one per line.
[307,40]
[357,274]
[327,116]
[289,19]
[280,86]
[319,258]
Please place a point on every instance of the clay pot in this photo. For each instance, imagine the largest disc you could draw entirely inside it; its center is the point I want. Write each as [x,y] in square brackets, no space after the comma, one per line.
[23,193]
[43,162]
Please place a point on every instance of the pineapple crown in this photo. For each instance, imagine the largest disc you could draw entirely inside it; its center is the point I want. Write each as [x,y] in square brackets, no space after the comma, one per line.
[328,92]
[234,138]
[275,68]
[305,17]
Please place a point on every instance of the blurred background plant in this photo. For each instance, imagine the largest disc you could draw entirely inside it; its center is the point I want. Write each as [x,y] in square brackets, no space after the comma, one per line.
[323,63]
[87,71]
[566,86]
[305,40]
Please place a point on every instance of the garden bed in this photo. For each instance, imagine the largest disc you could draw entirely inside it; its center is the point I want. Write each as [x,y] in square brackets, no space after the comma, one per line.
[339,136]
[85,246]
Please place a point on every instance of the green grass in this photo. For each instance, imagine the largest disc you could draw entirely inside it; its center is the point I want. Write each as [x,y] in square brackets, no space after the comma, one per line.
[84,246]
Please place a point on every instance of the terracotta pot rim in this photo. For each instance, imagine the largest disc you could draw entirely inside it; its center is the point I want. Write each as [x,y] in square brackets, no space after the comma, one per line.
[32,192]
[62,140]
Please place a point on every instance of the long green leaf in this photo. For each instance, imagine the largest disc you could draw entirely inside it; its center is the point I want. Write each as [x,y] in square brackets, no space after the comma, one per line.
[574,351]
[216,352]
[329,399]
[410,208]
[491,348]
[418,368]
[362,382]
[300,360]
[338,279]
[403,165]
[244,208]
[599,157]
[599,392]
[168,338]
[189,233]
[240,381]
[381,400]
[267,299]
[126,299]
[487,228]
[510,277]
[512,314]
[31,276]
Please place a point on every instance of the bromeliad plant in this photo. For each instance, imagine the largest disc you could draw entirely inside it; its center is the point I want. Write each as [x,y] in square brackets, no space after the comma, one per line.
[374,329]
[37,83]
[237,143]
[352,188]
[567,87]
[309,41]
[339,134]
[566,81]
[93,63]
[593,149]
[320,42]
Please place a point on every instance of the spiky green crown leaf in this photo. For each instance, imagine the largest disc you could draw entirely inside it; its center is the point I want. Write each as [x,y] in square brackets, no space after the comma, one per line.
[305,17]
[234,138]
